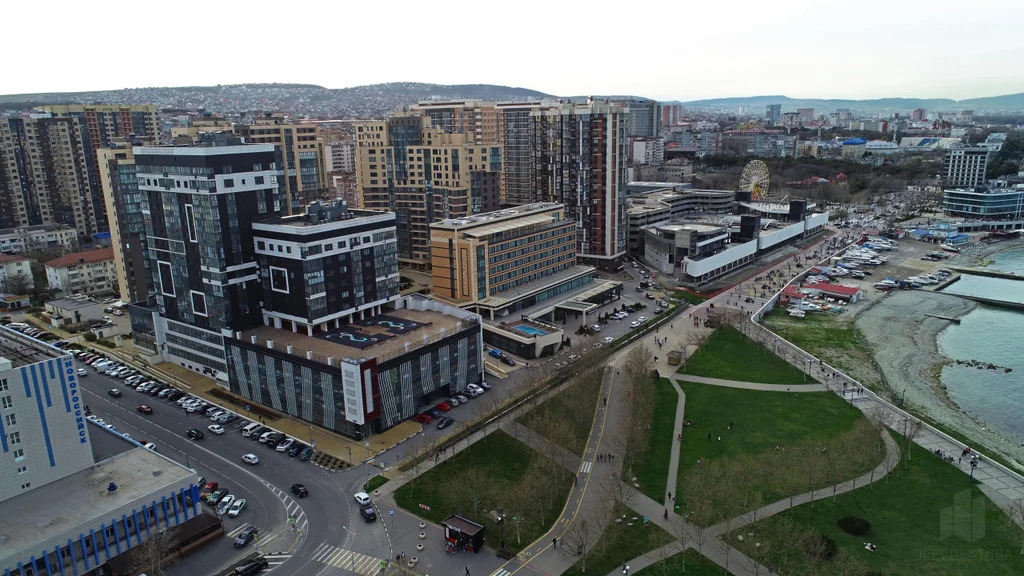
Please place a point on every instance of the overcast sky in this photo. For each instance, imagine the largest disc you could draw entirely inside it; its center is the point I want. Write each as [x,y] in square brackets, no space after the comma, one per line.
[678,49]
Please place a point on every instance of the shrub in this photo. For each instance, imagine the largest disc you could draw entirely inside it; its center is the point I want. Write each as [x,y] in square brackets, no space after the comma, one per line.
[818,546]
[853,525]
[106,343]
[90,337]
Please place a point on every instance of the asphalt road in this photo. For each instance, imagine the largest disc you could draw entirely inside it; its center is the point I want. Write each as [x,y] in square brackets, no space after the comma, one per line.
[323,519]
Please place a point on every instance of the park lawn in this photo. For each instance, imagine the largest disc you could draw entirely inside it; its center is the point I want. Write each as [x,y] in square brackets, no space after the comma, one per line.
[651,470]
[689,297]
[568,416]
[690,563]
[761,421]
[504,472]
[620,543]
[730,355]
[905,511]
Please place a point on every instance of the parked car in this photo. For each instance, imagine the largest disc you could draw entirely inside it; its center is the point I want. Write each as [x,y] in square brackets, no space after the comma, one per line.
[296,448]
[608,340]
[300,490]
[216,429]
[114,392]
[250,459]
[224,505]
[484,385]
[82,372]
[208,488]
[634,324]
[453,402]
[362,498]
[443,406]
[368,513]
[149,446]
[237,507]
[444,423]
[285,444]
[246,536]
[194,434]
[494,352]
[508,361]
[306,453]
[214,498]
[145,409]
[435,413]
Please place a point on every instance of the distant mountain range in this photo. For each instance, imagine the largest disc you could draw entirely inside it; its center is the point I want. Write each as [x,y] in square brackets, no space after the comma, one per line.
[374,100]
[377,100]
[1005,103]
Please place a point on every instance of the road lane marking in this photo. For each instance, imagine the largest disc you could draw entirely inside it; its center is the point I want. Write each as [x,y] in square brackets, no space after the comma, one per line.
[347,559]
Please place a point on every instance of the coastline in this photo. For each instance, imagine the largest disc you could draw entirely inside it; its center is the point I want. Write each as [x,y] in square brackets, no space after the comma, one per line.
[904,343]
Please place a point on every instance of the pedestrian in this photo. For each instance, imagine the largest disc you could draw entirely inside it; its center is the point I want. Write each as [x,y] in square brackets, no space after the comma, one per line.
[554,542]
[719,438]
[666,513]
[467,570]
[669,495]
[575,479]
[709,436]
[605,400]
[730,425]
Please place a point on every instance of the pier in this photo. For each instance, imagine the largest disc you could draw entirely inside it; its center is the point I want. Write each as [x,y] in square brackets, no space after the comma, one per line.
[989,273]
[947,318]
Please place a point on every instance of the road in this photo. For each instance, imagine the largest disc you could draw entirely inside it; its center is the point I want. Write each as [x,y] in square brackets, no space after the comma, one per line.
[326,521]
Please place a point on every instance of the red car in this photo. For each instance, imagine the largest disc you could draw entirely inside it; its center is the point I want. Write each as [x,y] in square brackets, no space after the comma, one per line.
[424,419]
[145,409]
[444,406]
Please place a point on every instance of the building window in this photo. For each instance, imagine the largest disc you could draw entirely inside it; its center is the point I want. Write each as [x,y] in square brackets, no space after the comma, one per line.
[19,453]
[14,438]
[3,385]
[11,419]
[198,303]
[190,222]
[26,485]
[6,402]
[258,180]
[229,182]
[166,279]
[279,279]
[22,469]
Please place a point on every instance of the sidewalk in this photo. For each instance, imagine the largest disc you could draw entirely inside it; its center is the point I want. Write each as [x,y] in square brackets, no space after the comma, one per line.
[748,385]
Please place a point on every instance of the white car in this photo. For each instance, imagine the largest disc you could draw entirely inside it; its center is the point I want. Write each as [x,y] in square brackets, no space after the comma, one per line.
[475,388]
[642,319]
[215,428]
[149,446]
[224,505]
[250,459]
[285,445]
[634,324]
[82,372]
[237,507]
[362,498]
[608,340]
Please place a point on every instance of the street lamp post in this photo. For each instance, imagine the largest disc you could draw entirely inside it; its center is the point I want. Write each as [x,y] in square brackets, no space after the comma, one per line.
[903,400]
[625,570]
[501,522]
[974,464]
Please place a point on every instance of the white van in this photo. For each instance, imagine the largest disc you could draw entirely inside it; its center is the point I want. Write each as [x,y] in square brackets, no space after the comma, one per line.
[17,325]
[250,429]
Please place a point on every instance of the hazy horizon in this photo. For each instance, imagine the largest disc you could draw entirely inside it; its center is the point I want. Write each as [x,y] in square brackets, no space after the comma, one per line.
[730,48]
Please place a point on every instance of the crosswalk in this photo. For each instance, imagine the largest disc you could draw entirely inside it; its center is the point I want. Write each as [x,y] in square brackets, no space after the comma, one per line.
[585,468]
[500,572]
[347,559]
[275,560]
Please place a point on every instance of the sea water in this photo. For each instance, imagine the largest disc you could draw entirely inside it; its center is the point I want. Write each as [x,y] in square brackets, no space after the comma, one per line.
[992,336]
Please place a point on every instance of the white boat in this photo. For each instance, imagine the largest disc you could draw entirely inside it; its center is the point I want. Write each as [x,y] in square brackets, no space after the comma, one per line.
[797,313]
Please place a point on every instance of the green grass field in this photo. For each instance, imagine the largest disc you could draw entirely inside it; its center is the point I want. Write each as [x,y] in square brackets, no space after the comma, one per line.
[688,563]
[925,519]
[730,355]
[651,468]
[496,472]
[620,543]
[761,421]
[689,297]
[567,417]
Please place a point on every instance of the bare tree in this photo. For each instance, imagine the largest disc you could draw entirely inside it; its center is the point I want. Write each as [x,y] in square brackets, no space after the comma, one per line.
[578,540]
[879,418]
[150,557]
[913,428]
[618,492]
[19,284]
[474,487]
[1016,515]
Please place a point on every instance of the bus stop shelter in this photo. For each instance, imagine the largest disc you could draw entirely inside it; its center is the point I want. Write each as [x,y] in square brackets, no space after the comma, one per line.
[463,534]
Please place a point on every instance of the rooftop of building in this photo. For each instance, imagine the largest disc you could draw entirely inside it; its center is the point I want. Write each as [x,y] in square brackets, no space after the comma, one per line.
[384,336]
[72,302]
[19,230]
[201,150]
[49,511]
[5,258]
[322,213]
[488,218]
[694,226]
[87,257]
[22,350]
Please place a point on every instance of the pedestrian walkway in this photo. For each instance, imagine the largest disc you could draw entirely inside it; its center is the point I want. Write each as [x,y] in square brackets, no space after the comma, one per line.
[748,385]
[677,432]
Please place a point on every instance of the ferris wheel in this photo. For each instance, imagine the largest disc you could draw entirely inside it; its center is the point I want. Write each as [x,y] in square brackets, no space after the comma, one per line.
[754,179]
